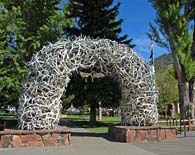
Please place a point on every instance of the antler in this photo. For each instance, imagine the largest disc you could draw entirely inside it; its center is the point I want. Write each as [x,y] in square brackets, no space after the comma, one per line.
[51,68]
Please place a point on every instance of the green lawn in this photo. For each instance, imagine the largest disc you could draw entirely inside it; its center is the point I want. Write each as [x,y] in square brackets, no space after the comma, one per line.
[100,127]
[79,120]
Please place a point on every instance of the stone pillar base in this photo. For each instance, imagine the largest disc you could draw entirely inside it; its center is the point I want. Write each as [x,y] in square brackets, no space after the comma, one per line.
[35,138]
[134,134]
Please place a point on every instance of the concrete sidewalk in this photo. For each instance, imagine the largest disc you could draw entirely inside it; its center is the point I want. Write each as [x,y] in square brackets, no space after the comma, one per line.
[86,143]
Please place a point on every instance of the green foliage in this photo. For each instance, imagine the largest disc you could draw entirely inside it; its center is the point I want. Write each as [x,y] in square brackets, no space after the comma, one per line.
[10,83]
[97,19]
[11,71]
[66,100]
[172,72]
[25,27]
[173,18]
[84,109]
[168,90]
[186,57]
[40,23]
[173,25]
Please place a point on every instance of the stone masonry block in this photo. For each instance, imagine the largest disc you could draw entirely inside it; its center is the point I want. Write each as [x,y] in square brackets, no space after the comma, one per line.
[34,144]
[6,141]
[16,141]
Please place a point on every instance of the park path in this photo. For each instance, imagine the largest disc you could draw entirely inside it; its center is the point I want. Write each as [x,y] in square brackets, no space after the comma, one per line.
[87,143]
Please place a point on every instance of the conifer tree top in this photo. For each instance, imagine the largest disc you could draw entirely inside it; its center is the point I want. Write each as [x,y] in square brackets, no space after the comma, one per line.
[96,19]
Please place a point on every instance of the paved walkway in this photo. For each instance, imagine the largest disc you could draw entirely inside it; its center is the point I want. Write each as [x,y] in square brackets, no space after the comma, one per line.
[86,143]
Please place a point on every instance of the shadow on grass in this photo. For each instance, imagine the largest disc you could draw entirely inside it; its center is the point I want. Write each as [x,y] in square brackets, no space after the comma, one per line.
[85,125]
[91,134]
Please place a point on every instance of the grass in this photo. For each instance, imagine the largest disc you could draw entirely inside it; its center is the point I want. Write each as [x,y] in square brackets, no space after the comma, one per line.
[100,127]
[79,120]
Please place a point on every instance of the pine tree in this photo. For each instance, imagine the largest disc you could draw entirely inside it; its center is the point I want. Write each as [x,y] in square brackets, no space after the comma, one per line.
[96,19]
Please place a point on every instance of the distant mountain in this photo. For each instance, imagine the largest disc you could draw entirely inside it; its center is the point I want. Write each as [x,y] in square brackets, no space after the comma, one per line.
[162,62]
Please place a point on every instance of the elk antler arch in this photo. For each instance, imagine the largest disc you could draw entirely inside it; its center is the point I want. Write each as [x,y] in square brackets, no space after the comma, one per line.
[51,68]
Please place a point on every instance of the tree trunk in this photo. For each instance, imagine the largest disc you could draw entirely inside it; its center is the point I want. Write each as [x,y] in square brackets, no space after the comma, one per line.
[185,88]
[192,91]
[192,96]
[186,105]
[193,43]
[92,120]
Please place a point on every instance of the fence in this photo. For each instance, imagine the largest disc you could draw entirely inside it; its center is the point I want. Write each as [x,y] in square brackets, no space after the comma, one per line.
[180,124]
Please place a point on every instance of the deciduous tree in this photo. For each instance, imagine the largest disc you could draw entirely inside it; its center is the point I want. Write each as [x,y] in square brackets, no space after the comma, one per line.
[25,27]
[173,18]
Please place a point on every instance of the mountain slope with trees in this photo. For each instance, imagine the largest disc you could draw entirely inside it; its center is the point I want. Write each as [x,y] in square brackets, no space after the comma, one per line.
[163,62]
[166,82]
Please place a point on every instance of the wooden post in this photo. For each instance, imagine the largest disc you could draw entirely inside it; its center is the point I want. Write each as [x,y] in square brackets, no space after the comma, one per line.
[184,127]
[189,124]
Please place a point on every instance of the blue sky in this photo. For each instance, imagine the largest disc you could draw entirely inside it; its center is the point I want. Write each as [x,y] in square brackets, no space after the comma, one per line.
[136,15]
